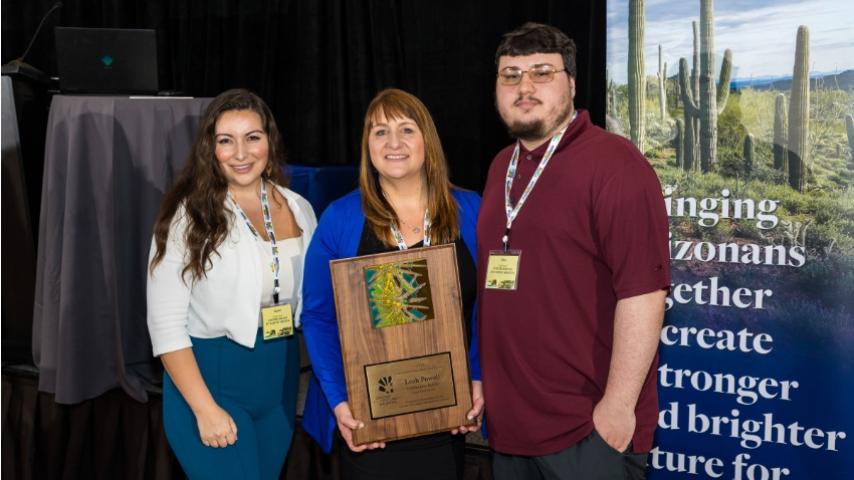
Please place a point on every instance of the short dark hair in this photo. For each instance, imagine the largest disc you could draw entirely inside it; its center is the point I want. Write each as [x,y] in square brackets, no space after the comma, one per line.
[533,38]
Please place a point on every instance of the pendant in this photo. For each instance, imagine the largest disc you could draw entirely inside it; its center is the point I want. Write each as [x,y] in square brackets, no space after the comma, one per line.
[416,230]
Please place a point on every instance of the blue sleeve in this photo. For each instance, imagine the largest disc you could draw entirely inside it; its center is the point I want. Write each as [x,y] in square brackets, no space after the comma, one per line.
[320,325]
[469,207]
[474,348]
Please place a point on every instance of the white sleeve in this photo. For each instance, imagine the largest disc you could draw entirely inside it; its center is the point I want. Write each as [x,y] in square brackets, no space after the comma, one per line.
[167,296]
[308,225]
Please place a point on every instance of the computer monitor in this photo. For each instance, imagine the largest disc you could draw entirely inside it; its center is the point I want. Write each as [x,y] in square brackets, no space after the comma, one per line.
[106,60]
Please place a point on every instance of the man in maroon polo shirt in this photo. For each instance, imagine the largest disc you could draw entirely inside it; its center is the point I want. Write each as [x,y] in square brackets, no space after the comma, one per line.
[572,273]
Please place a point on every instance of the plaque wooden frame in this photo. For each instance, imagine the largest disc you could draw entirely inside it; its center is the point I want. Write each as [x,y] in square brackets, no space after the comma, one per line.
[364,347]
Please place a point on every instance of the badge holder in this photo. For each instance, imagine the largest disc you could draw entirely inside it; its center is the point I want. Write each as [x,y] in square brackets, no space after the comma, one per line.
[277,321]
[502,269]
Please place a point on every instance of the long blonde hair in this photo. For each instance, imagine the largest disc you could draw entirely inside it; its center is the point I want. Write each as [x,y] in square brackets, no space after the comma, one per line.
[395,104]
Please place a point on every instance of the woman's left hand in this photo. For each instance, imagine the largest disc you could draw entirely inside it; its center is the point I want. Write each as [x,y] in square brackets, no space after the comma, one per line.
[475,415]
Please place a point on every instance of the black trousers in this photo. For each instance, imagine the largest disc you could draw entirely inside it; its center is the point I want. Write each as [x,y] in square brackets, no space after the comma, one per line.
[590,459]
[432,457]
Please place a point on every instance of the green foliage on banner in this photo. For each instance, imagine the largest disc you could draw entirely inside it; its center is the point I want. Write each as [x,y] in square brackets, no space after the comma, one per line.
[753,111]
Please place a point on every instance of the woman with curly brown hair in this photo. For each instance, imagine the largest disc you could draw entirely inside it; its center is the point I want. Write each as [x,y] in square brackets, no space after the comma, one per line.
[224,296]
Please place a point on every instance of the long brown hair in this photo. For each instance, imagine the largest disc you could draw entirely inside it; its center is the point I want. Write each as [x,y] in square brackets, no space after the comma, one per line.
[395,104]
[201,187]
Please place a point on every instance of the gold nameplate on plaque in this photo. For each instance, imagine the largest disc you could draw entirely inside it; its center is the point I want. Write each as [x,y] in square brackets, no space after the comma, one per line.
[411,385]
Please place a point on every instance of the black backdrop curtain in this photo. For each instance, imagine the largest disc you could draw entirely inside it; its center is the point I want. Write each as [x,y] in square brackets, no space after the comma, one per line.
[318,63]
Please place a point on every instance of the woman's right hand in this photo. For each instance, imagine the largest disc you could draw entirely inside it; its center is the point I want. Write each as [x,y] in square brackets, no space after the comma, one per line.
[216,427]
[346,425]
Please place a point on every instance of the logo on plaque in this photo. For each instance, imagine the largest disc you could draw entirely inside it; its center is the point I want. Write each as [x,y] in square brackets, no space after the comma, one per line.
[399,293]
[386,385]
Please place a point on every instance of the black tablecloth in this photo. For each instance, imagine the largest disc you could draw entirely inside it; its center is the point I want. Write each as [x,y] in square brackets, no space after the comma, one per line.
[108,162]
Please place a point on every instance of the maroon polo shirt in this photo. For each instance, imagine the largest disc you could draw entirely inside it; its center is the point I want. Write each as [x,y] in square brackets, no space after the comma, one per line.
[593,231]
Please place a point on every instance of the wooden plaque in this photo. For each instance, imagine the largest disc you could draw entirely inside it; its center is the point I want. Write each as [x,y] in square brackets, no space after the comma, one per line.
[403,342]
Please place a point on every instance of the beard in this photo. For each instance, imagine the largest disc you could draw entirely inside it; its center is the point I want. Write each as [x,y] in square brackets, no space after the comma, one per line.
[539,128]
[527,130]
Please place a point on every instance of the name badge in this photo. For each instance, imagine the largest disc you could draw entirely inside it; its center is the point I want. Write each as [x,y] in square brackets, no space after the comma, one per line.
[277,321]
[502,270]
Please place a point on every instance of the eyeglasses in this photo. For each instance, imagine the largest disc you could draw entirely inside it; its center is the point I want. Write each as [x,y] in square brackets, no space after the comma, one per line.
[543,73]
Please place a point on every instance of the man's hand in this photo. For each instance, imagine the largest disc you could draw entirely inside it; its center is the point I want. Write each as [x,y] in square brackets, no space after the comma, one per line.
[346,425]
[216,427]
[615,423]
[475,415]
[637,326]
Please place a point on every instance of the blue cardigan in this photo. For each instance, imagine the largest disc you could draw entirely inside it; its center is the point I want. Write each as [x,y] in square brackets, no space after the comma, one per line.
[337,236]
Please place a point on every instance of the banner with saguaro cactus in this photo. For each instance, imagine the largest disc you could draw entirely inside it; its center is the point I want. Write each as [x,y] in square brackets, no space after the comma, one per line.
[751,132]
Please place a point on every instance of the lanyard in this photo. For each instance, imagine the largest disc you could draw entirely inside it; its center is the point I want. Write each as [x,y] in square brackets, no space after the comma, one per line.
[401,244]
[268,226]
[509,209]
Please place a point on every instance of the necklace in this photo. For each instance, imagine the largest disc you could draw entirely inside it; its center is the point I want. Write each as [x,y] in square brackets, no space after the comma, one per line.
[416,230]
[413,228]
[401,244]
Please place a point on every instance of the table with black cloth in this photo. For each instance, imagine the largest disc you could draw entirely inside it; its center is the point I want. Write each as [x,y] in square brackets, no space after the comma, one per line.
[108,162]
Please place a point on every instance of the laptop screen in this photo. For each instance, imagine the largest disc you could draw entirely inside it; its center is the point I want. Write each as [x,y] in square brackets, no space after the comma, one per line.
[106,60]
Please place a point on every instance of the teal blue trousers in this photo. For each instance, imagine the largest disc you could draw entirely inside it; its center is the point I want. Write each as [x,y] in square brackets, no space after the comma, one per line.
[258,388]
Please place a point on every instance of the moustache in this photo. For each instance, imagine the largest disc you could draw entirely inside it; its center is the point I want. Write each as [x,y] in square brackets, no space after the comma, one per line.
[528,98]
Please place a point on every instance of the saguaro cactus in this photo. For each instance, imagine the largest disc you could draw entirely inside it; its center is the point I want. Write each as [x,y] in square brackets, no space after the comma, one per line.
[692,123]
[662,91]
[712,99]
[748,154]
[709,98]
[612,99]
[780,157]
[689,145]
[695,92]
[637,75]
[695,63]
[849,125]
[799,111]
[679,144]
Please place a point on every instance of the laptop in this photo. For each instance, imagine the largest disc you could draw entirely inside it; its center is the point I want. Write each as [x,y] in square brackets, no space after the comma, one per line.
[106,60]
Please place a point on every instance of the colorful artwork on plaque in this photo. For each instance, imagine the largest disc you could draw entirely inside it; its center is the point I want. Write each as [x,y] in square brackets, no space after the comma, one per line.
[399,293]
